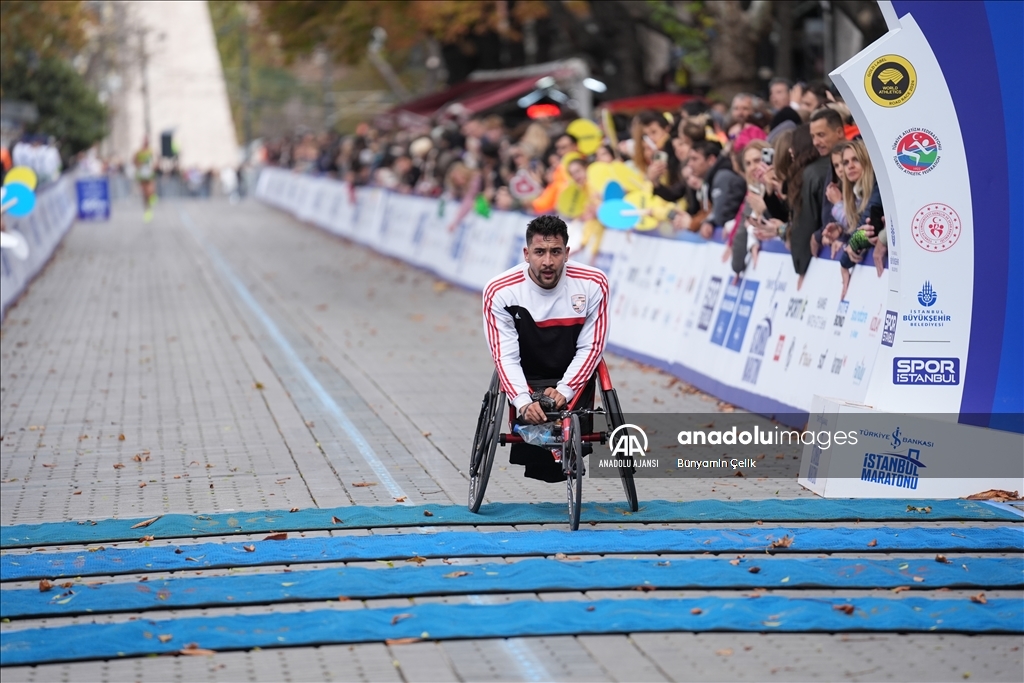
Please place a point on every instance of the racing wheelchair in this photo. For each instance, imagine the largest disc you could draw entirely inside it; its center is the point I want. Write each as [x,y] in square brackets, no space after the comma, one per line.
[567,433]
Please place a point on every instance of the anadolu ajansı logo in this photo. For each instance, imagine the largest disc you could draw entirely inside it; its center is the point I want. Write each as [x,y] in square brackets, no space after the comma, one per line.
[625,440]
[927,296]
[890,81]
[916,151]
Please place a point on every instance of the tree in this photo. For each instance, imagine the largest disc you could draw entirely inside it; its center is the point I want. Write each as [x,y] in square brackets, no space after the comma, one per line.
[68,109]
[33,30]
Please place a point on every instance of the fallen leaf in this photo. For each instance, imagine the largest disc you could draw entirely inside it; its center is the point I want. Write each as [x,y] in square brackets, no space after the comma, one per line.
[646,588]
[426,433]
[739,473]
[142,484]
[95,548]
[335,520]
[759,523]
[873,542]
[399,617]
[926,509]
[725,652]
[249,548]
[590,608]
[997,495]
[258,385]
[783,542]
[401,641]
[165,637]
[942,559]
[447,561]
[45,586]
[310,424]
[428,513]
[400,499]
[417,559]
[77,493]
[145,539]
[845,609]
[919,579]
[120,437]
[146,523]
[734,562]
[294,510]
[754,570]
[900,589]
[979,598]
[456,574]
[363,484]
[696,610]
[196,652]
[282,536]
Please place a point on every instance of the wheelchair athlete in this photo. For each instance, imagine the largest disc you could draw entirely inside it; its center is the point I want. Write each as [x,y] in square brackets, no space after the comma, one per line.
[546,318]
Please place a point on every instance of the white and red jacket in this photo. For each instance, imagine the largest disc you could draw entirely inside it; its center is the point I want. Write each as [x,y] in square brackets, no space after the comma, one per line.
[536,333]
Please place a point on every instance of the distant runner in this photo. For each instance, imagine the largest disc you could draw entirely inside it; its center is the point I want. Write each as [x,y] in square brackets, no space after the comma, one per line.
[145,172]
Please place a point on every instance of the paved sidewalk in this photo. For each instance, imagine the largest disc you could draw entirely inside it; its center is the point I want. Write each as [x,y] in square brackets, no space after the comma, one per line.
[227,358]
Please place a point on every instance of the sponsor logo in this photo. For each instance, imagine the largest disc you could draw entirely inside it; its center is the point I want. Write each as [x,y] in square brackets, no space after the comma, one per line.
[708,304]
[579,302]
[927,316]
[796,308]
[936,227]
[894,467]
[625,442]
[889,331]
[840,318]
[890,81]
[927,296]
[778,348]
[926,371]
[916,151]
[858,371]
[789,353]
[805,357]
[838,364]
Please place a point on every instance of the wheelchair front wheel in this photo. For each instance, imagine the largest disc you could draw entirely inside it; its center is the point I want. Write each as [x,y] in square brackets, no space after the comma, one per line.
[485,442]
[572,465]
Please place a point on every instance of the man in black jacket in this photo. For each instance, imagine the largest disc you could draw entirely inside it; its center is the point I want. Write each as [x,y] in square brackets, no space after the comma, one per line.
[723,189]
[815,208]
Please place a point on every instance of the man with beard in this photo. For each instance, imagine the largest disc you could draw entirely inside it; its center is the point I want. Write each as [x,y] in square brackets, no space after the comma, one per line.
[546,322]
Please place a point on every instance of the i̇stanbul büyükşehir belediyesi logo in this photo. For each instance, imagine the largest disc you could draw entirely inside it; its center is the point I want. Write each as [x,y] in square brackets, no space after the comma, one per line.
[890,81]
[916,151]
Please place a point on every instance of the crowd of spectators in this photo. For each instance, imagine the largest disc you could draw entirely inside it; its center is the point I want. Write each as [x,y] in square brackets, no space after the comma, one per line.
[789,170]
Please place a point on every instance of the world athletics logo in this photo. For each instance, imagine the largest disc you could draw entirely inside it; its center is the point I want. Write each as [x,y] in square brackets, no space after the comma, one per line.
[916,151]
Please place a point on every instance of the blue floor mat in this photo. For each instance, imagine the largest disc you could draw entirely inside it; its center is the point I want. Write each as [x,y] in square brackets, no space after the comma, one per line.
[505,514]
[141,559]
[526,576]
[515,619]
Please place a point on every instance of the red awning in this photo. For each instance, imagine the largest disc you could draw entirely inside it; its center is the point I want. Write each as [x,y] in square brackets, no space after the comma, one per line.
[474,96]
[664,101]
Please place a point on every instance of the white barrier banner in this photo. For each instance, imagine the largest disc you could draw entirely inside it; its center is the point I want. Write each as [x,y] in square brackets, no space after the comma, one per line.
[757,341]
[43,229]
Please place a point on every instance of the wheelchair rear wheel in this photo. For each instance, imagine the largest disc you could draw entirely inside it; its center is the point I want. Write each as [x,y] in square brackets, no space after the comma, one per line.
[485,442]
[572,465]
[613,413]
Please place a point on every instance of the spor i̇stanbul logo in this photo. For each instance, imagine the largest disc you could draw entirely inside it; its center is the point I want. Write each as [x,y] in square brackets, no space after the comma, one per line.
[927,297]
[916,151]
[890,81]
[936,227]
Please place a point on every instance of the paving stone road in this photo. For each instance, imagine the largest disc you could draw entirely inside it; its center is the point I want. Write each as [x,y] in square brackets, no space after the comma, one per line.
[228,357]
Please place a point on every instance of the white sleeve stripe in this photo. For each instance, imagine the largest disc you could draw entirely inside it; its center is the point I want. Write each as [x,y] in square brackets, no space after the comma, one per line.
[494,334]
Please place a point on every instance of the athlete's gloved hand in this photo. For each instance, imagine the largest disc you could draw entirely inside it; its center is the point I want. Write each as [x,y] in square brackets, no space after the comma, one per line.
[546,401]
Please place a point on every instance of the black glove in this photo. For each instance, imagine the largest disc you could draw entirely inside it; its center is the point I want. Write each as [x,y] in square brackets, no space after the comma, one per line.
[547,403]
